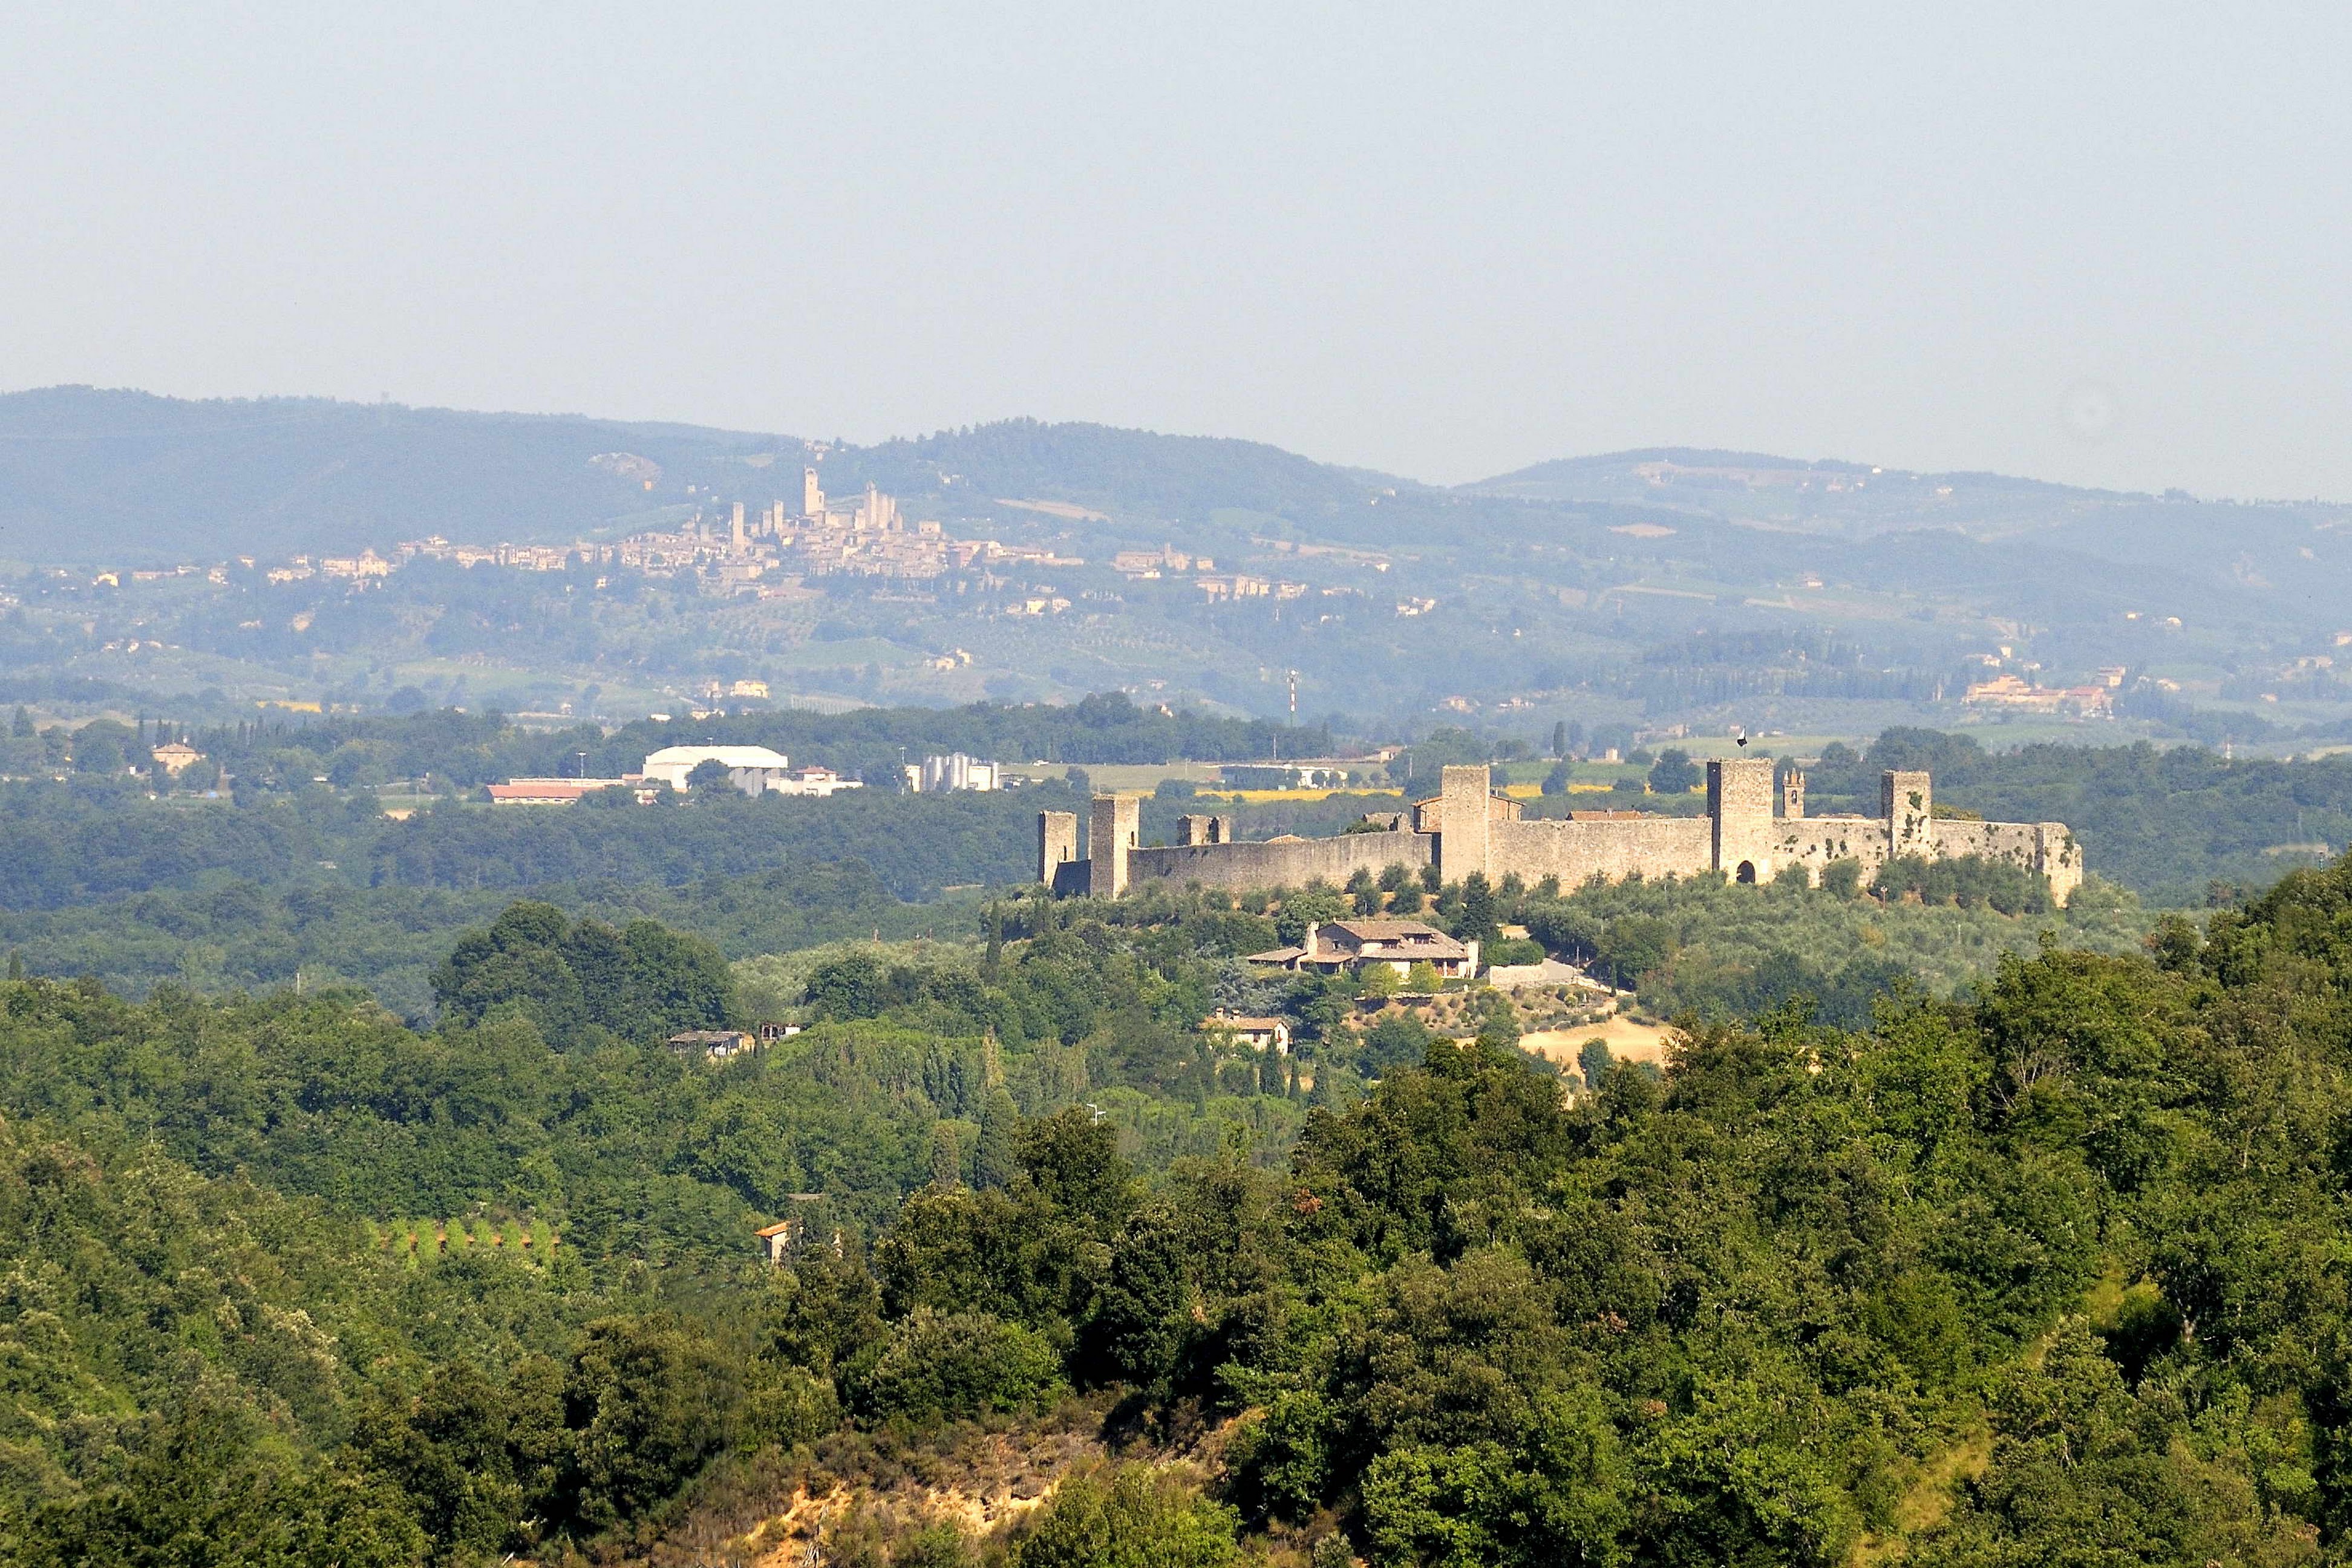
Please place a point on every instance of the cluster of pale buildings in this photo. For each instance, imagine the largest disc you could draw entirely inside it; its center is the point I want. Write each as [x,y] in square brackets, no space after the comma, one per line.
[2015,694]
[753,770]
[867,536]
[738,547]
[1151,565]
[942,775]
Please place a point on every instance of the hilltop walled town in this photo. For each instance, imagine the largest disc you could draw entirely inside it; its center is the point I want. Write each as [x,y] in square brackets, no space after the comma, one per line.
[1468,826]
[731,547]
[735,548]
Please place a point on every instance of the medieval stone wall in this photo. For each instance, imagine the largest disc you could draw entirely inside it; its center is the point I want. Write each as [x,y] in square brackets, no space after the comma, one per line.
[1813,842]
[2045,848]
[1281,862]
[1740,837]
[1575,852]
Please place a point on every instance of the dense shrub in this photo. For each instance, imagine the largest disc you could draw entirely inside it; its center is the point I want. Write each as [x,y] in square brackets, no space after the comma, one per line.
[1970,881]
[956,1365]
[1132,1517]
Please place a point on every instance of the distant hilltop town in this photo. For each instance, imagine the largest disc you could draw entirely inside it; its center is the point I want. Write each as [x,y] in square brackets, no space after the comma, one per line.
[733,548]
[1468,826]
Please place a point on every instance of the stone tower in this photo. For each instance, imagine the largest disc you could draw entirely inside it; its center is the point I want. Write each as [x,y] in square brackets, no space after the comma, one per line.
[1057,842]
[1792,796]
[1739,806]
[1464,833]
[1113,829]
[1905,800]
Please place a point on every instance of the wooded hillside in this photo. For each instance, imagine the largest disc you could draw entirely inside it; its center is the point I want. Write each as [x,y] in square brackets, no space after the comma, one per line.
[2049,1273]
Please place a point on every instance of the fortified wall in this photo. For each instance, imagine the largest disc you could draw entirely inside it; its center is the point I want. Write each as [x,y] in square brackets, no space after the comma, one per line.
[1470,829]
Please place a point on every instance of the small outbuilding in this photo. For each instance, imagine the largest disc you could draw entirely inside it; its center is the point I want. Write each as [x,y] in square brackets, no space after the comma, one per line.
[713,1045]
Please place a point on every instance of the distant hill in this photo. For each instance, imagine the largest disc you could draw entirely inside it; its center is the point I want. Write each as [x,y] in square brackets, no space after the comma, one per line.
[95,475]
[1097,465]
[86,474]
[2249,560]
[1854,500]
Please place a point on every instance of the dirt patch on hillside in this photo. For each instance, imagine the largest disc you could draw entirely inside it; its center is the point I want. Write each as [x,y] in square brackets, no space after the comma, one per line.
[1627,1040]
[860,1495]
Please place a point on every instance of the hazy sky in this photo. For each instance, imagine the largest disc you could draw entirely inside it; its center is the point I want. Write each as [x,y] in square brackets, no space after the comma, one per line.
[2104,244]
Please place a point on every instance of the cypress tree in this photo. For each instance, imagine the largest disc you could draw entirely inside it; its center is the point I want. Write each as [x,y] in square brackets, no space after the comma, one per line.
[993,1165]
[947,1155]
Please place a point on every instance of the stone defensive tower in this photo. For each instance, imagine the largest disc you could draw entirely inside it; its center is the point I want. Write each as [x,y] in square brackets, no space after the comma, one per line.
[1739,805]
[1204,829]
[1114,827]
[1467,842]
[1792,796]
[1057,844]
[1906,800]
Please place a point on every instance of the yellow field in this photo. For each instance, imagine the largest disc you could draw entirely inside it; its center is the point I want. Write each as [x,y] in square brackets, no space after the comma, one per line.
[1625,1038]
[1260,797]
[1532,792]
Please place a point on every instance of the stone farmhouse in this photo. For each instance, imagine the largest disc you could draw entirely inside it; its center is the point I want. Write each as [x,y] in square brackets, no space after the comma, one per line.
[1353,946]
[1470,827]
[1259,1034]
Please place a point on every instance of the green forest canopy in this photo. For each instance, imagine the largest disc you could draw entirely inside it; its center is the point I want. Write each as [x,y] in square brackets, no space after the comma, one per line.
[2047,1273]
